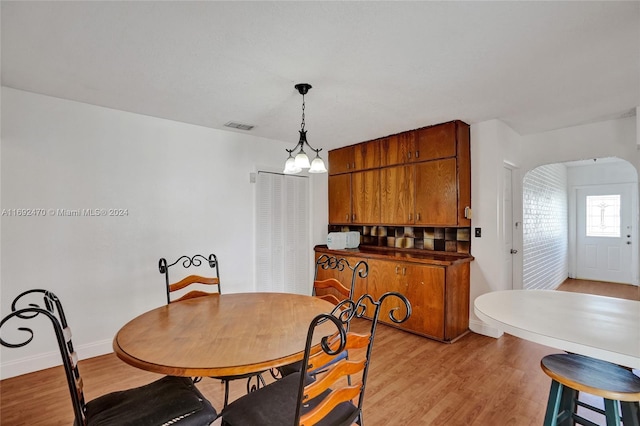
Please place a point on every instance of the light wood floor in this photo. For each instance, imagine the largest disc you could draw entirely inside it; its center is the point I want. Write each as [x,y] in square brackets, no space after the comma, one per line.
[475,381]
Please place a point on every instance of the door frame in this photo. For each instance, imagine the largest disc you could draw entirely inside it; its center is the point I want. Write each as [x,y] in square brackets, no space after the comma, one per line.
[516,217]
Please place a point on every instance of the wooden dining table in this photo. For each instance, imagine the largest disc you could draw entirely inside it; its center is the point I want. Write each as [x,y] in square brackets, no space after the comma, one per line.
[600,327]
[222,335]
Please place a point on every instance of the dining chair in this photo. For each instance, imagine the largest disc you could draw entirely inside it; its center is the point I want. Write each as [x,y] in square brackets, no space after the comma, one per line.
[328,399]
[169,400]
[333,291]
[193,285]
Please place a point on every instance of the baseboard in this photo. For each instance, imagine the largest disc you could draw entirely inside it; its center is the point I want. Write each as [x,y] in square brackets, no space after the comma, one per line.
[479,327]
[45,360]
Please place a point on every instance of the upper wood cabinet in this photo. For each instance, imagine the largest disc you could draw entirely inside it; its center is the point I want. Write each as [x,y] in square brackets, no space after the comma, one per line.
[365,197]
[352,158]
[437,198]
[424,178]
[397,195]
[427,143]
[340,198]
[354,198]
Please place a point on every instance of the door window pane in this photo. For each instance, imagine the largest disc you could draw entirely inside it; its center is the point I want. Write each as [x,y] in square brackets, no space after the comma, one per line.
[603,215]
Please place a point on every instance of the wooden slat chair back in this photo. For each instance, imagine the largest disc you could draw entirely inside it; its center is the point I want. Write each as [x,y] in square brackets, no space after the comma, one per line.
[144,405]
[330,399]
[333,284]
[192,285]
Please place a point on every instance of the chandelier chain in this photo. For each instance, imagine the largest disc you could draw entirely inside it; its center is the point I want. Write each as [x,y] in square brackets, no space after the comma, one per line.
[302,124]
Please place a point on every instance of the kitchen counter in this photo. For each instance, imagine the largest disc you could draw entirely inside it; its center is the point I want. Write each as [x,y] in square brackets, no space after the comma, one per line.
[408,255]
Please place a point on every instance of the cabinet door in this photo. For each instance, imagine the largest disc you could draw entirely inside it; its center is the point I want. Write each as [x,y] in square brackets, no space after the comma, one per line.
[340,198]
[435,142]
[397,149]
[367,155]
[382,278]
[341,160]
[424,287]
[365,197]
[437,197]
[397,195]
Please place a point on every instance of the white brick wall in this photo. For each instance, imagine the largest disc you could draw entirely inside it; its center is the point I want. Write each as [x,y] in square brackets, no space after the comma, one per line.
[545,223]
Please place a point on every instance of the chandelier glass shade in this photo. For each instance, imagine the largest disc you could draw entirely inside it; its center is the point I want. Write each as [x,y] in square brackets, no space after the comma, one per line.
[298,159]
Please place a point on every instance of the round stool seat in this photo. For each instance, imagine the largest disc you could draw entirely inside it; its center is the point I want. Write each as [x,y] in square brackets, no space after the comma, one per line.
[594,376]
[572,374]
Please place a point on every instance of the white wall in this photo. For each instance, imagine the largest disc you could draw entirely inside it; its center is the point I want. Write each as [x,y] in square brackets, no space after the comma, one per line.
[545,225]
[493,143]
[185,188]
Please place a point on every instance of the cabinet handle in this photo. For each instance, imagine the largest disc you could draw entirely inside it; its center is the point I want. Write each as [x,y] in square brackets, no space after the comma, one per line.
[404,271]
[409,155]
[417,217]
[353,216]
[354,165]
[397,267]
[409,217]
[417,154]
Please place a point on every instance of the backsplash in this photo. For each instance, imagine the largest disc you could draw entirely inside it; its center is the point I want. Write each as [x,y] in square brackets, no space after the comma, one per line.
[456,240]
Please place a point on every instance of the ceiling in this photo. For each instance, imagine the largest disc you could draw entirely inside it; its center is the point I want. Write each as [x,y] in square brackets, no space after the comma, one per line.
[376,68]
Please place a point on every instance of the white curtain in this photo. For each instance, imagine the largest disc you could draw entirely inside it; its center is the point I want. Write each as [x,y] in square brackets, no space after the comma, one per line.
[282,233]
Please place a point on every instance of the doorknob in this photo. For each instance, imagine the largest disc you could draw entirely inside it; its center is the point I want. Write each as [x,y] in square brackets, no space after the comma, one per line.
[629,242]
[514,251]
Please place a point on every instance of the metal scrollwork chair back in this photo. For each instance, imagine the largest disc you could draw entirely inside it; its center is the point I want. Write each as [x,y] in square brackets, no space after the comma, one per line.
[332,289]
[328,399]
[192,285]
[169,400]
[183,288]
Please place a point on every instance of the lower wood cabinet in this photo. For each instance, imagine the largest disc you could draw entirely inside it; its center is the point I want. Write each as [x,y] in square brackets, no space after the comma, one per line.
[439,294]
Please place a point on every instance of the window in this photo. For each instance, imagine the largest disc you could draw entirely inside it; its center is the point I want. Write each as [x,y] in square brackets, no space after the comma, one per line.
[603,215]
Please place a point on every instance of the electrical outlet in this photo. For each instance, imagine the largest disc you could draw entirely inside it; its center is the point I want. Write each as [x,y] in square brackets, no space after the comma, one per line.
[478,232]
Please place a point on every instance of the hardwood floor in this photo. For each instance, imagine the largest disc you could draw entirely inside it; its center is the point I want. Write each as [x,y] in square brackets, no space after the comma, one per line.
[622,291]
[475,381]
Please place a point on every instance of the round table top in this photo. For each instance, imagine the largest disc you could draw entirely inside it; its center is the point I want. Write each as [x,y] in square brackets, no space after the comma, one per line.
[601,327]
[222,335]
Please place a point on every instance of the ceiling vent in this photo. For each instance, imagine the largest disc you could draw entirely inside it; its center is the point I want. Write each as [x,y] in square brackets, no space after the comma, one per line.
[240,126]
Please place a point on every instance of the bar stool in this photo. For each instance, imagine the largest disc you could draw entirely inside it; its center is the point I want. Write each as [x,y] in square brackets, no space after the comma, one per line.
[573,373]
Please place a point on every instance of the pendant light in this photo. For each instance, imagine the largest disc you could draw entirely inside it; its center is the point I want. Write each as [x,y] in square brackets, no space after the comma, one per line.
[300,161]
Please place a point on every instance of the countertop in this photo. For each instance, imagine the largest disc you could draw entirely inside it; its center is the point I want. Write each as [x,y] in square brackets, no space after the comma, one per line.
[387,253]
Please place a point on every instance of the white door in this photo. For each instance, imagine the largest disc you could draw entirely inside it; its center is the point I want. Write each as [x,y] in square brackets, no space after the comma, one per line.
[605,235]
[507,227]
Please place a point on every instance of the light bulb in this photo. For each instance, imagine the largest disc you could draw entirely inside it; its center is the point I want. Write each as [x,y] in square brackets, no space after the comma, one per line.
[290,167]
[317,165]
[302,160]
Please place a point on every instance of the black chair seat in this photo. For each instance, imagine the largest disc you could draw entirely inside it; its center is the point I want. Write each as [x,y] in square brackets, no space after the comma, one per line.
[275,405]
[169,400]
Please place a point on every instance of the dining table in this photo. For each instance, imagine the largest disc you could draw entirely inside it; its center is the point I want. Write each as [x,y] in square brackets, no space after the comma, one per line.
[601,327]
[222,335]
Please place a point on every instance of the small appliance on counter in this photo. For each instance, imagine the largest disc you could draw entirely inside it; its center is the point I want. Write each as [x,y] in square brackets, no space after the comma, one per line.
[343,240]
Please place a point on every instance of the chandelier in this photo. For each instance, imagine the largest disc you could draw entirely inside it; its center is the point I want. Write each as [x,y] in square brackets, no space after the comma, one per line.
[296,163]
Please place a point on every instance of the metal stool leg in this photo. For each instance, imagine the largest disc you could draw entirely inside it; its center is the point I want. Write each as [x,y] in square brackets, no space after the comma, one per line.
[611,412]
[630,413]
